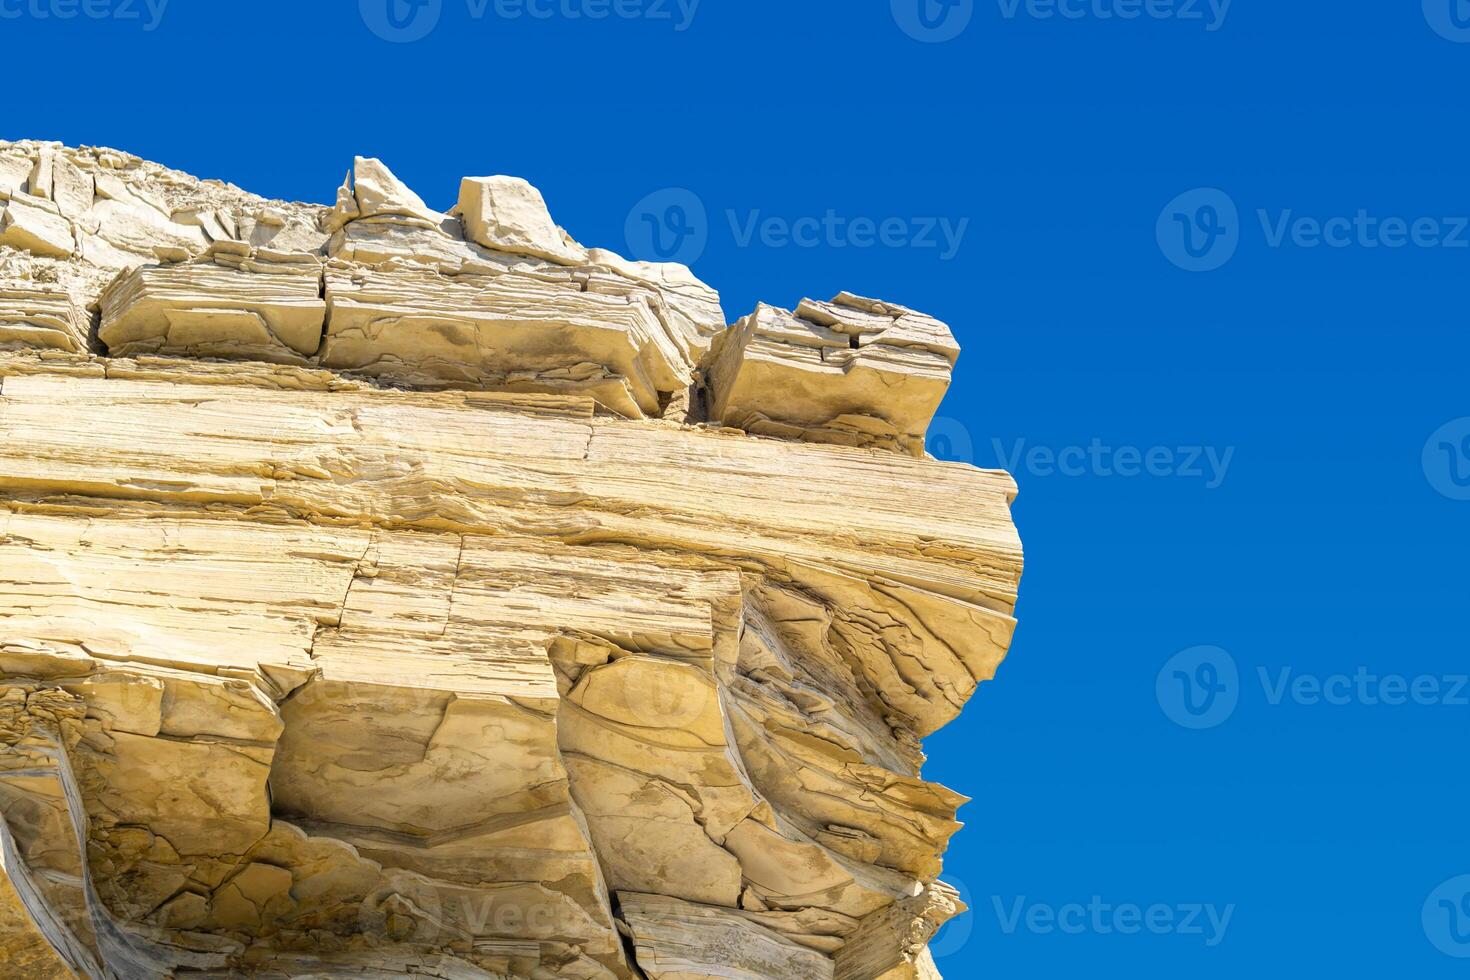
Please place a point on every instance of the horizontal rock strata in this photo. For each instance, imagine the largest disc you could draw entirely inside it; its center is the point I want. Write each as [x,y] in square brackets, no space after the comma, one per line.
[388,592]
[236,301]
[854,371]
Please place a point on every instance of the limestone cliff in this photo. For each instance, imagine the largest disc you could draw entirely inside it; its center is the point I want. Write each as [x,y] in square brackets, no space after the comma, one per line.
[387,592]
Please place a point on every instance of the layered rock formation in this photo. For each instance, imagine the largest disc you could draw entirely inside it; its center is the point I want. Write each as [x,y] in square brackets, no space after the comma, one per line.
[388,592]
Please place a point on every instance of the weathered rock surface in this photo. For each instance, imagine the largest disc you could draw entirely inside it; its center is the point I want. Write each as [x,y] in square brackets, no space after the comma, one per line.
[238,301]
[676,940]
[41,315]
[857,372]
[496,296]
[542,669]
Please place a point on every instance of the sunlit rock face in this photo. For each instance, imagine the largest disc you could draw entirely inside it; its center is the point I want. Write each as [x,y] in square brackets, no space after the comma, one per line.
[393,592]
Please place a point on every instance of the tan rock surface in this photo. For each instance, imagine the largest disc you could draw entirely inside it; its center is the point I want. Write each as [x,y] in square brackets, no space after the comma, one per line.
[537,671]
[237,301]
[680,941]
[856,372]
[508,214]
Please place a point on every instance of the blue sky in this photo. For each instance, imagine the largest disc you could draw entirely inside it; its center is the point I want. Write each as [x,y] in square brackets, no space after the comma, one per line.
[1208,266]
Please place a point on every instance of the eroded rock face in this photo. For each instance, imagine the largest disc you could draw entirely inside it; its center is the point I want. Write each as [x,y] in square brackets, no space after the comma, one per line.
[855,371]
[237,301]
[495,295]
[393,593]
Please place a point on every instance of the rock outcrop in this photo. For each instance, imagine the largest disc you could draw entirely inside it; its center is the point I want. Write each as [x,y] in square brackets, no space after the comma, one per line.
[389,592]
[854,371]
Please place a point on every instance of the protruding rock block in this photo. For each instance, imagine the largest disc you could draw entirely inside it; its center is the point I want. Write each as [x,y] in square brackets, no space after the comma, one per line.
[35,225]
[371,191]
[893,943]
[238,302]
[496,296]
[854,371]
[677,940]
[509,215]
[513,331]
[41,315]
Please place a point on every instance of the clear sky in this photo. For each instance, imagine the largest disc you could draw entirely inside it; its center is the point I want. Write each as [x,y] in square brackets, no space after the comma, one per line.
[1208,266]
